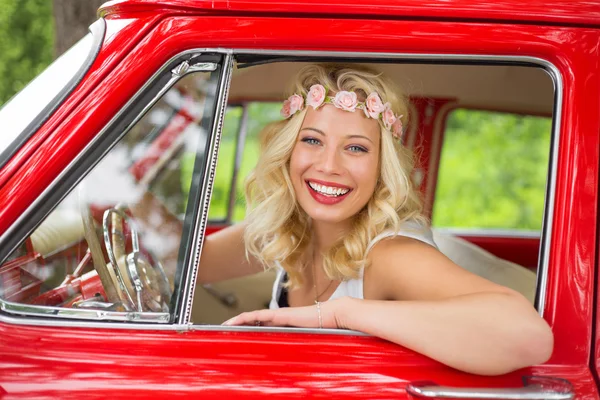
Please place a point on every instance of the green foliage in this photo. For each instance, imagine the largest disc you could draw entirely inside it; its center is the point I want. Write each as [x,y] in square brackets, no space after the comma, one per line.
[492,171]
[26,43]
[222,184]
[259,115]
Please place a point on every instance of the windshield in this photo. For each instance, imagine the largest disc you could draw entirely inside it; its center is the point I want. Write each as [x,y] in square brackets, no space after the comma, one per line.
[30,102]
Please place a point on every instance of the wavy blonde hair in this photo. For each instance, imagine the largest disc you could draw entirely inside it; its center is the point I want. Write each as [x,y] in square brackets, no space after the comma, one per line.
[278,230]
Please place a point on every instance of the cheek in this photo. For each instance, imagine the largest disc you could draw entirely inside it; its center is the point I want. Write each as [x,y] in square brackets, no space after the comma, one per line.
[367,174]
[299,162]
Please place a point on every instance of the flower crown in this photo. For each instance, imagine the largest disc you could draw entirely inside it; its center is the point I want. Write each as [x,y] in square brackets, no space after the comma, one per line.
[373,107]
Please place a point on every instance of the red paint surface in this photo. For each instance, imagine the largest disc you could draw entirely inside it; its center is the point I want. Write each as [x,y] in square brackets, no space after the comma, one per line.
[520,250]
[432,115]
[227,364]
[556,11]
[70,363]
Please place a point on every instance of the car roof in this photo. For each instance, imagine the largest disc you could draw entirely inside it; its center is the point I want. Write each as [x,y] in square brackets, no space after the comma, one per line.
[572,12]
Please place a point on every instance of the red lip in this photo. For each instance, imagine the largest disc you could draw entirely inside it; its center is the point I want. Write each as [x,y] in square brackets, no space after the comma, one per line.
[320,198]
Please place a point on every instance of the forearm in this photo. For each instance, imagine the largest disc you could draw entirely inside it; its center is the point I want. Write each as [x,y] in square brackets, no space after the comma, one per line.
[483,333]
[224,256]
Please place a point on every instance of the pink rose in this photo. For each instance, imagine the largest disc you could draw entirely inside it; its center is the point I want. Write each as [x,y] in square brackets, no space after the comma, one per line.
[397,128]
[296,103]
[315,96]
[374,106]
[286,109]
[388,116]
[345,100]
[293,104]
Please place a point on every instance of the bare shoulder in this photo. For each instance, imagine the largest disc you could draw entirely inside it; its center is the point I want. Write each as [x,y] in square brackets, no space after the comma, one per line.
[403,268]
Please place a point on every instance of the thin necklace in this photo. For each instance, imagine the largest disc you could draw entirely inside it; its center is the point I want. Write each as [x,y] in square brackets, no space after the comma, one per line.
[317,295]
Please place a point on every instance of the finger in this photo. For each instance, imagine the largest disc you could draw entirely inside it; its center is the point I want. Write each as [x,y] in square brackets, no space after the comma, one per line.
[251,318]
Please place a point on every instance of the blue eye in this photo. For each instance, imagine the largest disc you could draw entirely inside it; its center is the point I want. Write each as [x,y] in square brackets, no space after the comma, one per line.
[311,140]
[357,149]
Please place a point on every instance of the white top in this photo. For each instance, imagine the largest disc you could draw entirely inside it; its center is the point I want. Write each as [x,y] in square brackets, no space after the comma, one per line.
[354,287]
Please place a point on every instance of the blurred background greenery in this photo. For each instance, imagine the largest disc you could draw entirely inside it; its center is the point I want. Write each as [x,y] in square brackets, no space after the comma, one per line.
[26,43]
[492,171]
[493,166]
[34,32]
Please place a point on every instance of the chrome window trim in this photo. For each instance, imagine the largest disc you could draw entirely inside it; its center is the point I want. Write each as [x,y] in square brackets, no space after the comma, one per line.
[82,314]
[325,331]
[195,249]
[549,202]
[98,31]
[37,320]
[39,208]
[205,193]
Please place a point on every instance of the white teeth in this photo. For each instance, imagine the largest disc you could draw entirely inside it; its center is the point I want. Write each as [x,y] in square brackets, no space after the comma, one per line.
[328,190]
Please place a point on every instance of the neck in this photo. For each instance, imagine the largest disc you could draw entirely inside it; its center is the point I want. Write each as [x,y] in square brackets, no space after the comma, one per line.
[325,234]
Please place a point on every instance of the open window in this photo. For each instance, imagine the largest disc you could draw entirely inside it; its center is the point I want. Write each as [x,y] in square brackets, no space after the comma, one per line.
[446,100]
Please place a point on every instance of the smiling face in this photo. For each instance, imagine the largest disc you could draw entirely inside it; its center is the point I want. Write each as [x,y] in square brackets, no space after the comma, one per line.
[335,163]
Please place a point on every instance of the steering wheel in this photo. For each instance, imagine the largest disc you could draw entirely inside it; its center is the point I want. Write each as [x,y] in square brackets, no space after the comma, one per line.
[145,284]
[113,287]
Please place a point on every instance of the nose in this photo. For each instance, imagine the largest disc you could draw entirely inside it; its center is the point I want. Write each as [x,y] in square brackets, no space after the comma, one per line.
[329,161]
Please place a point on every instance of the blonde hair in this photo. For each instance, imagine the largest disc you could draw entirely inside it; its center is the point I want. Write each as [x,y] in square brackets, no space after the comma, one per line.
[278,230]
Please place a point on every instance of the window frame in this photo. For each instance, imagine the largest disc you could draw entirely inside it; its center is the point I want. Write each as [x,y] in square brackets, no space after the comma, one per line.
[470,59]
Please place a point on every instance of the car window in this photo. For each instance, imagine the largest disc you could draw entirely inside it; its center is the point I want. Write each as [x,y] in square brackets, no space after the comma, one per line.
[113,243]
[492,171]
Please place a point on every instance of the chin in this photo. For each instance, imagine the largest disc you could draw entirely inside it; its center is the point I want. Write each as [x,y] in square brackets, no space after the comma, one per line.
[328,217]
[328,214]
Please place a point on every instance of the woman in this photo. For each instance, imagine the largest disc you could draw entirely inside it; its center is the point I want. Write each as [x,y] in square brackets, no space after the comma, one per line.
[331,206]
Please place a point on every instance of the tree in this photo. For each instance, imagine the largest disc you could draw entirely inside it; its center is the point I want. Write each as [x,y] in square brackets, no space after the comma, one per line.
[72,19]
[26,41]
[34,32]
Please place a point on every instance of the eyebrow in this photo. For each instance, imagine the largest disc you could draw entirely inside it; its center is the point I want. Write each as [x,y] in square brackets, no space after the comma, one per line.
[309,128]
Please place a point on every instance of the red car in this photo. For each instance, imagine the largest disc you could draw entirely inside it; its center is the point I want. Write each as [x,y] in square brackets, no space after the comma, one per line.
[109,182]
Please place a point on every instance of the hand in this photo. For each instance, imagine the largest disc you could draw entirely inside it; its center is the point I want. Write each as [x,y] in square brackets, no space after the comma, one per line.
[301,317]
